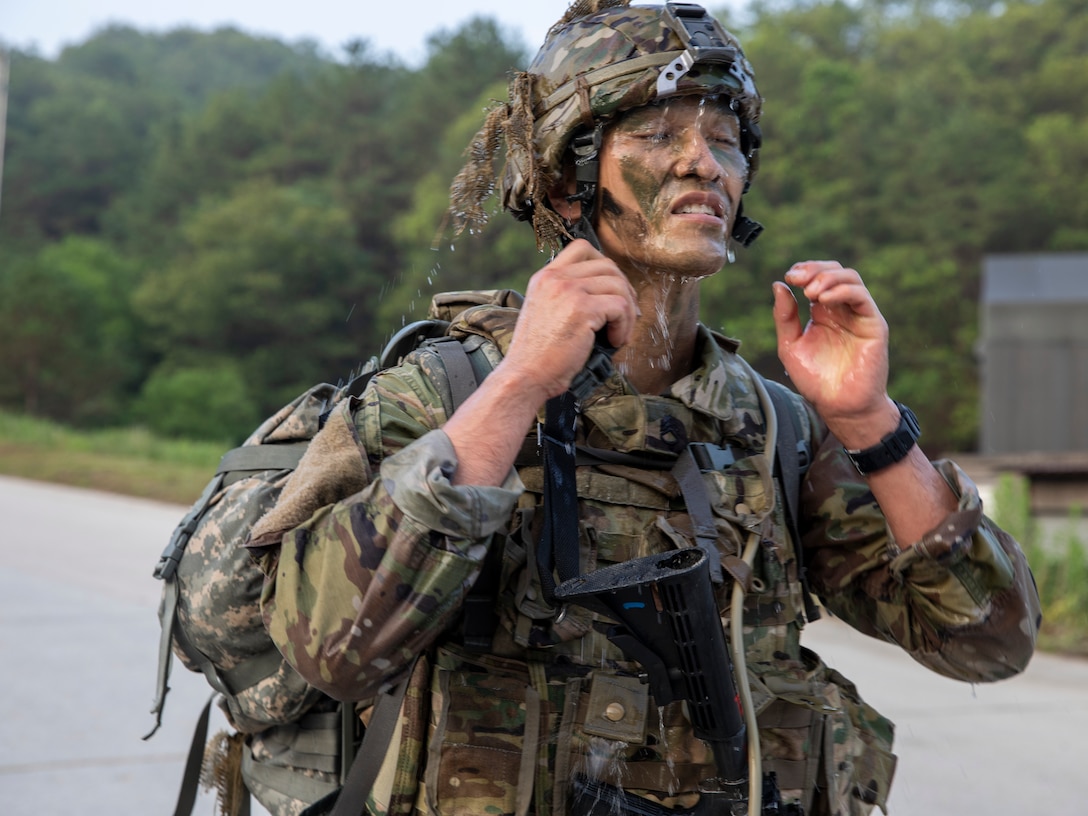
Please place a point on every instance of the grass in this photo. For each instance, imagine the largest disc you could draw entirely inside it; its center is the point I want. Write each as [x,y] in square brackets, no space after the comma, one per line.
[127,461]
[1059,563]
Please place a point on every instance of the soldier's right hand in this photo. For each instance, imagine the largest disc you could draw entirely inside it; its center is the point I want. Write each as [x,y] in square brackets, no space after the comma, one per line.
[566,302]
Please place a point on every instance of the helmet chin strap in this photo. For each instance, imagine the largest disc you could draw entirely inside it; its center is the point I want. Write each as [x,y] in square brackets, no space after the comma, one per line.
[587,166]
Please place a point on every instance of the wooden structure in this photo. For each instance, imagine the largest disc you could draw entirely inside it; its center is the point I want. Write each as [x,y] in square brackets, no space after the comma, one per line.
[1033,349]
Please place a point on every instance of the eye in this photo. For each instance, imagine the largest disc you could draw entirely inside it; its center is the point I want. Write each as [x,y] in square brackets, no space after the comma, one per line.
[654,135]
[724,138]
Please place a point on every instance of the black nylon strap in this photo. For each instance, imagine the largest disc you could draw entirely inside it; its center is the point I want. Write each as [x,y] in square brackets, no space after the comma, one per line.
[791,460]
[697,498]
[273,456]
[350,800]
[191,777]
[558,550]
[459,371]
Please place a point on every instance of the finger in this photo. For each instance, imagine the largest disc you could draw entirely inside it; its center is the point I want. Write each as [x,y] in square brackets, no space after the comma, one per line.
[852,296]
[787,319]
[620,316]
[804,272]
[820,277]
[573,308]
[578,250]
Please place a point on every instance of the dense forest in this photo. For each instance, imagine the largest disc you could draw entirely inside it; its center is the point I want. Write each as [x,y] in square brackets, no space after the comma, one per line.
[195,226]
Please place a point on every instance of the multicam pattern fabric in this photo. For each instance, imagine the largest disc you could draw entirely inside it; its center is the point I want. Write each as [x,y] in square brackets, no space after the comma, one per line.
[367,583]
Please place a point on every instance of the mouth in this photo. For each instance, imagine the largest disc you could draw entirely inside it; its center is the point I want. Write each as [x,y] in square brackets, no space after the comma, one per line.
[703,204]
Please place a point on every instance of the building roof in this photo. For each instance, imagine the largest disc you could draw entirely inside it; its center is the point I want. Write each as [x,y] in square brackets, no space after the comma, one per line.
[1022,279]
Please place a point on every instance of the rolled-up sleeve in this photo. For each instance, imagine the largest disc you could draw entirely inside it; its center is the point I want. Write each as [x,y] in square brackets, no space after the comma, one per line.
[368,582]
[961,601]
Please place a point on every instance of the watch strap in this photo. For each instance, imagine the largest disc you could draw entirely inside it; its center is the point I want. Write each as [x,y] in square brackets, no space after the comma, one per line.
[892,448]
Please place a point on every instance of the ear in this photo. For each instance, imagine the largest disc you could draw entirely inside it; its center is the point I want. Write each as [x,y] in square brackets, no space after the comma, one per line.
[558,195]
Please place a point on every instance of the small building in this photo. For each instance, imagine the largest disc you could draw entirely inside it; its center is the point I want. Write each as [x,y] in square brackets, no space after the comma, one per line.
[1033,347]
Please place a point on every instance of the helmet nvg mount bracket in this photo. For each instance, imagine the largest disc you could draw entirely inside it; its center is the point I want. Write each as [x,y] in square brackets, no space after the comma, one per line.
[699,33]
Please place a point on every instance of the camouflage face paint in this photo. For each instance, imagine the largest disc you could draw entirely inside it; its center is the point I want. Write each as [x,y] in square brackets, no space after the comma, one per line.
[609,205]
[671,177]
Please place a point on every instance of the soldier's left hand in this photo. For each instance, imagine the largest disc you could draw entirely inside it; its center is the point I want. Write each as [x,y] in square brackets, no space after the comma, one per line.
[839,361]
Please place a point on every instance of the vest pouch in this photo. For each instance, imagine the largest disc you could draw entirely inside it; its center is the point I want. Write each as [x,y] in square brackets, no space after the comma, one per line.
[484,731]
[289,767]
[818,735]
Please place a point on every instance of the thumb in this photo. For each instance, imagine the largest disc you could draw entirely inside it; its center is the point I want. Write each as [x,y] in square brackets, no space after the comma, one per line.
[787,322]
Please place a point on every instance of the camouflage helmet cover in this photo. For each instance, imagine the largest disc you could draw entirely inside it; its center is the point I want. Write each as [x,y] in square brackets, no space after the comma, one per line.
[602,58]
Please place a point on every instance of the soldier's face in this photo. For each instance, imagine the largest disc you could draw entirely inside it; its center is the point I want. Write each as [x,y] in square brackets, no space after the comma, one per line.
[671,177]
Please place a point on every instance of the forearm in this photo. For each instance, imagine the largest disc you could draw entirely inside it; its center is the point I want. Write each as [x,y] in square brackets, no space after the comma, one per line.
[487,431]
[912,495]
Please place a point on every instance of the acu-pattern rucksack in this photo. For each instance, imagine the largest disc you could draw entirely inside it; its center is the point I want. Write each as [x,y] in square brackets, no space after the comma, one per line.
[210,610]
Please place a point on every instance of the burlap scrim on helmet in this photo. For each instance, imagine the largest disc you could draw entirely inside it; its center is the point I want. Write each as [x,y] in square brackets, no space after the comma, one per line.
[583,8]
[603,57]
[511,122]
[514,121]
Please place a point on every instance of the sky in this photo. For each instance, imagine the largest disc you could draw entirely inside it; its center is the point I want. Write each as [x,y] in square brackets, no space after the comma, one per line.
[398,27]
[391,26]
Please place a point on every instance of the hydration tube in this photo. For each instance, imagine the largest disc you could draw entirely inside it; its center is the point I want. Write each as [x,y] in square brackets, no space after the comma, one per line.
[736,630]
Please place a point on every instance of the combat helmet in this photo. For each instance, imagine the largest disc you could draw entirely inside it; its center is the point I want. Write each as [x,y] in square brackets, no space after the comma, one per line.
[602,58]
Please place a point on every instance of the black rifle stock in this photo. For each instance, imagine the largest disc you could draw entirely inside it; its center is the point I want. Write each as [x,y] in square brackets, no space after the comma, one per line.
[667,620]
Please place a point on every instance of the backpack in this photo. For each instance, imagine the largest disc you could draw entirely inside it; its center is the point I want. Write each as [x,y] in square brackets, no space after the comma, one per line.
[210,614]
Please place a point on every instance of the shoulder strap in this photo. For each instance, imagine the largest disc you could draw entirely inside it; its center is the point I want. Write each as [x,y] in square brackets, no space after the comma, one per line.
[193,762]
[792,458]
[350,800]
[557,549]
[459,370]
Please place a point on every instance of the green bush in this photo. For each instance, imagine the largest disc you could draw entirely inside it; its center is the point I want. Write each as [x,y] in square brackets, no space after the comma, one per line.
[210,402]
[1059,563]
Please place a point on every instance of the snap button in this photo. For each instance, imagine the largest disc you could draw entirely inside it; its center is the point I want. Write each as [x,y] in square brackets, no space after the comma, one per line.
[615,712]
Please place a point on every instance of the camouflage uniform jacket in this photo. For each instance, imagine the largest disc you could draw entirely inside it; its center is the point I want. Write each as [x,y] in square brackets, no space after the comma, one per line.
[378,577]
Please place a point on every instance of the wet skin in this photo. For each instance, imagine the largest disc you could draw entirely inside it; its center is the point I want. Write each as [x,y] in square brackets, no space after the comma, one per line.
[671,178]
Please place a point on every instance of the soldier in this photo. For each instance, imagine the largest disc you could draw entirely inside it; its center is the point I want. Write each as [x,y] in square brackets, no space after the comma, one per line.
[631,140]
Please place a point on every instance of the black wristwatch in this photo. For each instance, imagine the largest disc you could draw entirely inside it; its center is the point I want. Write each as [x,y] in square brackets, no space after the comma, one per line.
[892,448]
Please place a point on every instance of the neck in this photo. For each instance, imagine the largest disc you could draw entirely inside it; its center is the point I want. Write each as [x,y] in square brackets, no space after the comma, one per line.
[663,347]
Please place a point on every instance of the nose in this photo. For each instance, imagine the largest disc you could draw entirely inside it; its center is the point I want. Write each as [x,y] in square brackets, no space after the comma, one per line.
[697,159]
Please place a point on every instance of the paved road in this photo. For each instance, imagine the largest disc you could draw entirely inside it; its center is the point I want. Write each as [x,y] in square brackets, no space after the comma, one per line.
[78,636]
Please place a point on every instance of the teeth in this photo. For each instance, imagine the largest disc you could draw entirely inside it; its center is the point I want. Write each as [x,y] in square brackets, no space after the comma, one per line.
[705,209]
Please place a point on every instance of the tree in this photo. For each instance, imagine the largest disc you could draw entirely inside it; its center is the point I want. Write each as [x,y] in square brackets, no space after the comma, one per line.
[269,276]
[908,145]
[74,143]
[255,194]
[208,401]
[67,337]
